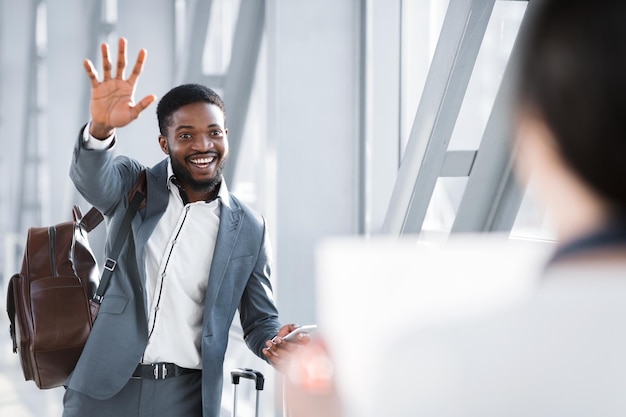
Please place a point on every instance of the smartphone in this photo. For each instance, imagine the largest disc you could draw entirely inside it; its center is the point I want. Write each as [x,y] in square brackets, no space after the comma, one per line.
[291,337]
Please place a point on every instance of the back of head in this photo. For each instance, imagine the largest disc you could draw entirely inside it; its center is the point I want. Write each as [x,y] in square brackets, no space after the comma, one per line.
[572,74]
[180,96]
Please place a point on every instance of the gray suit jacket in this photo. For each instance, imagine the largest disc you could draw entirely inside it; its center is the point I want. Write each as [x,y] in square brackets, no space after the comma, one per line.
[239,279]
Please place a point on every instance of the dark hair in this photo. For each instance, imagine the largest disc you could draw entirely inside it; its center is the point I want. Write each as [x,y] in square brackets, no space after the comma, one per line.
[572,72]
[180,96]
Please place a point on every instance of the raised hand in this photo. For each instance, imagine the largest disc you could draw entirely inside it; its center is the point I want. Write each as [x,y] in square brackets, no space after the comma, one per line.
[112,99]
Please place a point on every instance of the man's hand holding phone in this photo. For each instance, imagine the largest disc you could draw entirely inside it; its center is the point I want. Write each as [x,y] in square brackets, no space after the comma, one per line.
[278,350]
[302,330]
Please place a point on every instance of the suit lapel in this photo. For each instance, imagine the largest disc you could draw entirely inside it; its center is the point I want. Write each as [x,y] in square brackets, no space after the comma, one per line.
[157,199]
[228,232]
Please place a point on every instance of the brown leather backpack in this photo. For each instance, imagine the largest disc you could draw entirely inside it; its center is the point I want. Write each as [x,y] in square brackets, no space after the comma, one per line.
[48,301]
[53,302]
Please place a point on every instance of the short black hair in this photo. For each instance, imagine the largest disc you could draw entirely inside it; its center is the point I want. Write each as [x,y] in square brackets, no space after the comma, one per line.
[572,72]
[180,96]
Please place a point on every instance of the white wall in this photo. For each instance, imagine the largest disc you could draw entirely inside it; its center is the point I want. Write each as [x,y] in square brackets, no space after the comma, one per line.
[313,66]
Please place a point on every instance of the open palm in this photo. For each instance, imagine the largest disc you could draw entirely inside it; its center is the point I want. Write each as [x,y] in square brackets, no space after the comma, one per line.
[112,99]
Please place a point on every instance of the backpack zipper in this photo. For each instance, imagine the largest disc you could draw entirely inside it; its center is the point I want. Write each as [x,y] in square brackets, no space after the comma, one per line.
[52,236]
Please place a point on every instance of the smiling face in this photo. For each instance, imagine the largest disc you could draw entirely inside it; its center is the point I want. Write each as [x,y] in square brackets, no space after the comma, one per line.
[197,144]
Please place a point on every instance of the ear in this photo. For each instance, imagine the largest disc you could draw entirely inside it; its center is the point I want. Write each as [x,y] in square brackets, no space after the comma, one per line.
[163,144]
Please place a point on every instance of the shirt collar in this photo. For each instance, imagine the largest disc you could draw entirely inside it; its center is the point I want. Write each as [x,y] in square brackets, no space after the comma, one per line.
[612,234]
[222,194]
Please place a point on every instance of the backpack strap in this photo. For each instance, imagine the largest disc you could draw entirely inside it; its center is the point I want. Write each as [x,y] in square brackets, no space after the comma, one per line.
[140,186]
[11,311]
[93,217]
[90,220]
[137,198]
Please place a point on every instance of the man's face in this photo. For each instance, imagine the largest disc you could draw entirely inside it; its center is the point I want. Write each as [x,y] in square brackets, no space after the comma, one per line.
[197,144]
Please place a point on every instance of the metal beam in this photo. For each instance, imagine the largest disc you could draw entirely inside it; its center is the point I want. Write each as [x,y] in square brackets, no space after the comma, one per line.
[492,196]
[458,163]
[31,210]
[459,43]
[379,75]
[190,58]
[240,76]
[98,34]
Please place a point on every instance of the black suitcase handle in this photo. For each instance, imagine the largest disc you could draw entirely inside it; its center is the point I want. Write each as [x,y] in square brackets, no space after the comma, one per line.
[247,373]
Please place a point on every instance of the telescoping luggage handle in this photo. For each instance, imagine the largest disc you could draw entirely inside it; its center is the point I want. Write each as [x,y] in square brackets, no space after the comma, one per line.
[247,373]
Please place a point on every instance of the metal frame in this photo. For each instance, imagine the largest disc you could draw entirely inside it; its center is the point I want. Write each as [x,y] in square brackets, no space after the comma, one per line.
[190,69]
[458,163]
[380,78]
[457,49]
[31,208]
[239,78]
[96,36]
[492,197]
[363,167]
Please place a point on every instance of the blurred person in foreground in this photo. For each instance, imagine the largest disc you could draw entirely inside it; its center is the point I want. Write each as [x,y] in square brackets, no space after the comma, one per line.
[559,351]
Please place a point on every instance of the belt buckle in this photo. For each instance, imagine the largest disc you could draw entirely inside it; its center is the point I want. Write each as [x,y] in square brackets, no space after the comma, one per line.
[155,370]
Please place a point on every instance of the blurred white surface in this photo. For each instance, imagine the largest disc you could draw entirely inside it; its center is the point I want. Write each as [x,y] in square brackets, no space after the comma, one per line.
[372,289]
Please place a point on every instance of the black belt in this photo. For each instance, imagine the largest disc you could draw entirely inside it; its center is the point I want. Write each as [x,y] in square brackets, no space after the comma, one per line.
[161,370]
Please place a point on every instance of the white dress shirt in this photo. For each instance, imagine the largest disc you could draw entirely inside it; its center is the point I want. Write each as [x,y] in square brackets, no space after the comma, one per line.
[178,261]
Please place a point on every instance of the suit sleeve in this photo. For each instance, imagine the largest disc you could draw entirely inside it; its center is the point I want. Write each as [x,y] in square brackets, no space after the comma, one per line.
[100,177]
[257,311]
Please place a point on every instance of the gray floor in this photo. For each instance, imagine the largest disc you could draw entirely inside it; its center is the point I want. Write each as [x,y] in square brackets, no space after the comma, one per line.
[20,398]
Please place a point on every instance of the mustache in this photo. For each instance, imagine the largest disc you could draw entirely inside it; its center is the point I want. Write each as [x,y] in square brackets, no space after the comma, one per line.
[207,153]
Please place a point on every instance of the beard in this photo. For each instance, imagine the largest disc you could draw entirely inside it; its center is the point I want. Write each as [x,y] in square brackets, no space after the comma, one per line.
[184,177]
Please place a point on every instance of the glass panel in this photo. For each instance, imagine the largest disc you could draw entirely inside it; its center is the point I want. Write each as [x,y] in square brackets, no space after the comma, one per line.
[532,221]
[180,17]
[255,165]
[219,36]
[490,64]
[109,11]
[421,24]
[444,204]
[419,42]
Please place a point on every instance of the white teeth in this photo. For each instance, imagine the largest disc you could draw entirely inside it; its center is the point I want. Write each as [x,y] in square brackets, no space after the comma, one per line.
[203,160]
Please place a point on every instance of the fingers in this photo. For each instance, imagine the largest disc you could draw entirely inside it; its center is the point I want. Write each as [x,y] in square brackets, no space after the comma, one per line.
[287,328]
[91,72]
[121,59]
[303,338]
[278,347]
[107,66]
[139,107]
[138,68]
[270,350]
[271,356]
[106,62]
[144,102]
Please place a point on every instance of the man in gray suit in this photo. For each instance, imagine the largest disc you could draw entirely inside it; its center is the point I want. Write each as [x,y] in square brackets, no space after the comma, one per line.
[194,255]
